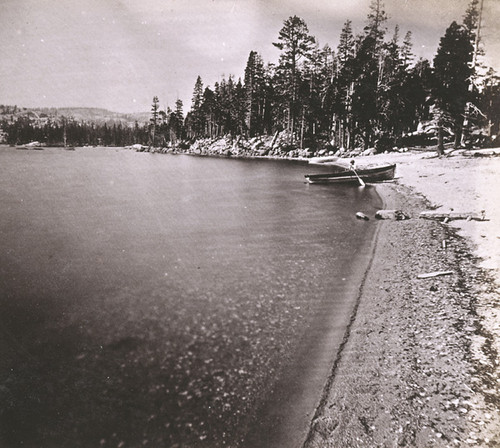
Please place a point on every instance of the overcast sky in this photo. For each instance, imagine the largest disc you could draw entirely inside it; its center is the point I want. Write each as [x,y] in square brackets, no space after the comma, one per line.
[118,54]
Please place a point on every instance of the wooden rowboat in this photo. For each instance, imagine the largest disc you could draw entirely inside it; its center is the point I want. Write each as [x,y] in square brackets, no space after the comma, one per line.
[348,176]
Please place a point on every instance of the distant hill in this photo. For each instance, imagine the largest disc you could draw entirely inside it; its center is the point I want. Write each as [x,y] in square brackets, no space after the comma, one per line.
[87,114]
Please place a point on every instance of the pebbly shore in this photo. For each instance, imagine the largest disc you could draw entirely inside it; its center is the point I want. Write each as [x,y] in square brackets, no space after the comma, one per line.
[420,366]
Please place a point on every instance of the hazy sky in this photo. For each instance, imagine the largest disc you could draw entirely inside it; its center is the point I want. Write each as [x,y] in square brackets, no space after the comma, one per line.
[118,54]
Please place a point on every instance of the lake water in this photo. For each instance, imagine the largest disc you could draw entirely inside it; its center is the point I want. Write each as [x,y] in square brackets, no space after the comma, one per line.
[155,300]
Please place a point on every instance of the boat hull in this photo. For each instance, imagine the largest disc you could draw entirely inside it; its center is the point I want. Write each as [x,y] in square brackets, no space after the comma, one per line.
[370,175]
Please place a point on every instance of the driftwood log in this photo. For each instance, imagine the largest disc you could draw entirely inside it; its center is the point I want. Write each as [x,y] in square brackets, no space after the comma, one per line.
[482,153]
[452,216]
[274,140]
[434,274]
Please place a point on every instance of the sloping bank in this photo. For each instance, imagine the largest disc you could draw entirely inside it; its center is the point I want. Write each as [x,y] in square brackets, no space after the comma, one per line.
[276,146]
[419,367]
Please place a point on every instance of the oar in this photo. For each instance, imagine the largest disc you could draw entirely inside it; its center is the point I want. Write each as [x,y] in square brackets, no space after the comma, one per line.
[359,178]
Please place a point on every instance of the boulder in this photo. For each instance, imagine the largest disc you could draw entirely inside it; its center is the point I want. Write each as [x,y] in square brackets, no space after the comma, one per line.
[361,215]
[397,215]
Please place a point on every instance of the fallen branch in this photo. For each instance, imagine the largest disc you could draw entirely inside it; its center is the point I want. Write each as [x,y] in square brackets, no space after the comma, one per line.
[451,216]
[494,152]
[434,274]
[274,140]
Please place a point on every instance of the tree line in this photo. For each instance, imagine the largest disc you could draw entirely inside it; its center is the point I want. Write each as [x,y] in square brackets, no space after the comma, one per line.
[67,131]
[370,91]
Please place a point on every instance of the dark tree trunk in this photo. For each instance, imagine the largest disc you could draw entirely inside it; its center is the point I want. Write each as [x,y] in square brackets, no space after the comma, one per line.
[440,147]
[458,136]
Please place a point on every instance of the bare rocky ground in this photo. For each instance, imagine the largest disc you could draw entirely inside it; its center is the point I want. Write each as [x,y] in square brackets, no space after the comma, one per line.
[420,367]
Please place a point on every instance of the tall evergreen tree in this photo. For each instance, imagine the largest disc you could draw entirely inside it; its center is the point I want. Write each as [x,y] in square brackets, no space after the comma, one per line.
[176,122]
[295,42]
[365,90]
[179,115]
[342,89]
[377,18]
[391,76]
[490,102]
[406,50]
[208,110]
[225,97]
[197,94]
[315,112]
[270,100]
[196,119]
[255,88]
[452,71]
[368,71]
[154,119]
[346,49]
[239,108]
[472,24]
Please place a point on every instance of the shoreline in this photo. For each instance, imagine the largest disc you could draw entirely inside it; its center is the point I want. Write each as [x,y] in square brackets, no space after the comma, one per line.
[285,416]
[420,365]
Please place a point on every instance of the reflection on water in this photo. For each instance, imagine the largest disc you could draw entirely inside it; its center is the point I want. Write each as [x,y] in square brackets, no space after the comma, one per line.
[149,300]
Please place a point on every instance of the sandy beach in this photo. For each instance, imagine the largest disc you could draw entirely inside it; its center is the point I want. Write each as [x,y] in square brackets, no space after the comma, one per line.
[420,365]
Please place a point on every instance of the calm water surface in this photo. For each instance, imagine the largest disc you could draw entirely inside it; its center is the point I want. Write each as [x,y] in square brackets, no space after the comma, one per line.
[155,300]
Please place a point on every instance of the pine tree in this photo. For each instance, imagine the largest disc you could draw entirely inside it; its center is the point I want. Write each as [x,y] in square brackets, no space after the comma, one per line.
[346,49]
[344,85]
[254,86]
[197,94]
[324,113]
[154,119]
[365,90]
[269,110]
[368,71]
[390,101]
[315,111]
[176,122]
[196,119]
[208,110]
[490,102]
[225,99]
[471,19]
[406,50]
[179,119]
[295,42]
[472,24]
[452,71]
[377,18]
[397,92]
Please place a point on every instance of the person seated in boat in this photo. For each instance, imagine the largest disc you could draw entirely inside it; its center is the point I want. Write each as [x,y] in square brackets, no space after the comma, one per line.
[352,165]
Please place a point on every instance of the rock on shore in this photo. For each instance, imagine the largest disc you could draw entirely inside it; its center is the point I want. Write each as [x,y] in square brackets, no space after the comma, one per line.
[271,146]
